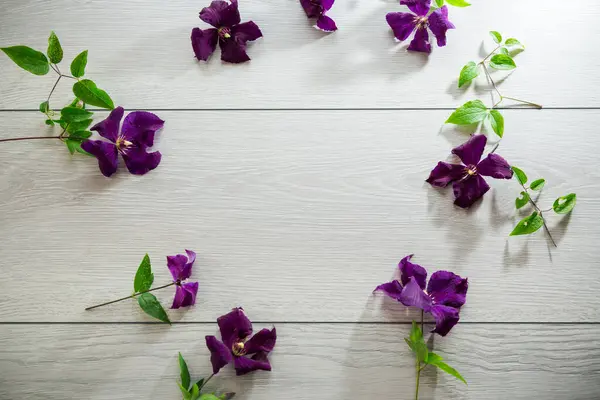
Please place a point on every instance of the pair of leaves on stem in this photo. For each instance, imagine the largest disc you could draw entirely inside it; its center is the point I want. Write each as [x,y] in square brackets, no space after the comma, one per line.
[141,285]
[455,3]
[417,344]
[192,392]
[474,112]
[533,222]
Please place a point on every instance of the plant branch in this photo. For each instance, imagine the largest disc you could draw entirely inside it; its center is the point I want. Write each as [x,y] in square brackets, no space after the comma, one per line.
[31,138]
[540,211]
[206,381]
[524,102]
[418,366]
[131,296]
[52,91]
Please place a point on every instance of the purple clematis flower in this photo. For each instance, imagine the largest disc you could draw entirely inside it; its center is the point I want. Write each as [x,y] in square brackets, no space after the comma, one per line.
[446,293]
[317,9]
[181,269]
[137,135]
[403,24]
[231,35]
[235,330]
[468,183]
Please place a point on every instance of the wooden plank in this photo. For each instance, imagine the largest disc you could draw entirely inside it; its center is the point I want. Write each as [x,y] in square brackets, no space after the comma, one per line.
[140,52]
[297,216]
[337,362]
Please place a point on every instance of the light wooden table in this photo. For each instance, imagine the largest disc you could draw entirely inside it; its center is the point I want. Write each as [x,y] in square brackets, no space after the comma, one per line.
[298,179]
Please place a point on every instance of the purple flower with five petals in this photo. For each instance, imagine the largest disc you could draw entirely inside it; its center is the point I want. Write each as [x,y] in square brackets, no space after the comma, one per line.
[181,269]
[467,178]
[403,24]
[317,9]
[231,35]
[136,136]
[247,353]
[445,295]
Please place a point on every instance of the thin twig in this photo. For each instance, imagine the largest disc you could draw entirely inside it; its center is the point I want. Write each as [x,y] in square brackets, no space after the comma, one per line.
[30,138]
[524,102]
[52,91]
[131,296]
[533,203]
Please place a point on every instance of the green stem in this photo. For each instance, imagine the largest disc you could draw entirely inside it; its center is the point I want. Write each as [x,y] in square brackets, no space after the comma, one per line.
[418,367]
[132,296]
[540,211]
[524,102]
[206,381]
[489,55]
[30,138]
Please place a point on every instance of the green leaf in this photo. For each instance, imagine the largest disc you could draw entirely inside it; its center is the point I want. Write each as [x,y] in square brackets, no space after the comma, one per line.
[72,145]
[469,113]
[502,61]
[497,122]
[439,3]
[152,307]
[200,383]
[209,396]
[74,114]
[45,107]
[227,396]
[29,59]
[78,64]
[415,333]
[458,3]
[504,50]
[521,177]
[80,135]
[522,201]
[410,344]
[78,126]
[186,394]
[185,372]
[496,36]
[468,73]
[538,184]
[49,122]
[565,204]
[528,225]
[55,51]
[512,42]
[195,392]
[437,361]
[144,276]
[88,92]
[419,347]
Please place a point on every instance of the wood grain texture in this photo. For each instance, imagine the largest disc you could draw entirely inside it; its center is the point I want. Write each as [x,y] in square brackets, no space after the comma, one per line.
[330,362]
[297,216]
[140,52]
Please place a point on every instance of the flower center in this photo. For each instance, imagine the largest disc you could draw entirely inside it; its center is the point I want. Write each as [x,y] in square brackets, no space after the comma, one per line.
[224,32]
[238,349]
[122,144]
[422,22]
[471,170]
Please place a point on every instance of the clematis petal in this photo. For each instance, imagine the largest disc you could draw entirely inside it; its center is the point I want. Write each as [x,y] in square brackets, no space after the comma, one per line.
[495,166]
[413,296]
[109,128]
[139,161]
[221,13]
[445,318]
[259,361]
[185,295]
[444,173]
[233,52]
[392,289]
[105,152]
[140,127]
[220,355]
[448,289]
[420,42]
[468,191]
[204,42]
[470,152]
[234,326]
[410,270]
[311,9]
[327,4]
[402,24]
[246,32]
[439,24]
[263,341]
[326,24]
[419,7]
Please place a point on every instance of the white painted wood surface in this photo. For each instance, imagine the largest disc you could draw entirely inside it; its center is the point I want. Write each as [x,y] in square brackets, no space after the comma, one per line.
[140,52]
[341,361]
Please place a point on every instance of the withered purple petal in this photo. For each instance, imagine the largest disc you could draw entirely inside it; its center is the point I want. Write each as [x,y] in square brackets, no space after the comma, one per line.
[105,152]
[419,7]
[495,166]
[140,127]
[246,32]
[413,296]
[264,340]
[233,52]
[185,295]
[326,24]
[445,318]
[220,13]
[448,289]
[402,24]
[421,41]
[109,128]
[204,42]
[410,270]
[139,161]
[244,365]
[439,24]
[444,173]
[311,9]
[327,4]
[470,152]
[468,191]
[220,355]
[234,327]
[392,289]
[180,265]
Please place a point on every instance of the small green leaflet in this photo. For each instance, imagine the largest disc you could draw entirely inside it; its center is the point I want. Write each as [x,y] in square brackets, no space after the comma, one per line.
[436,360]
[458,3]
[78,64]
[29,59]
[416,343]
[74,140]
[496,36]
[439,3]
[55,51]
[78,126]
[200,383]
[144,276]
[521,177]
[88,92]
[185,373]
[74,114]
[528,225]
[195,392]
[152,307]
[49,122]
[538,184]
[522,201]
[502,61]
[186,394]
[45,107]
[469,113]
[468,73]
[565,204]
[504,50]
[210,396]
[497,122]
[512,42]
